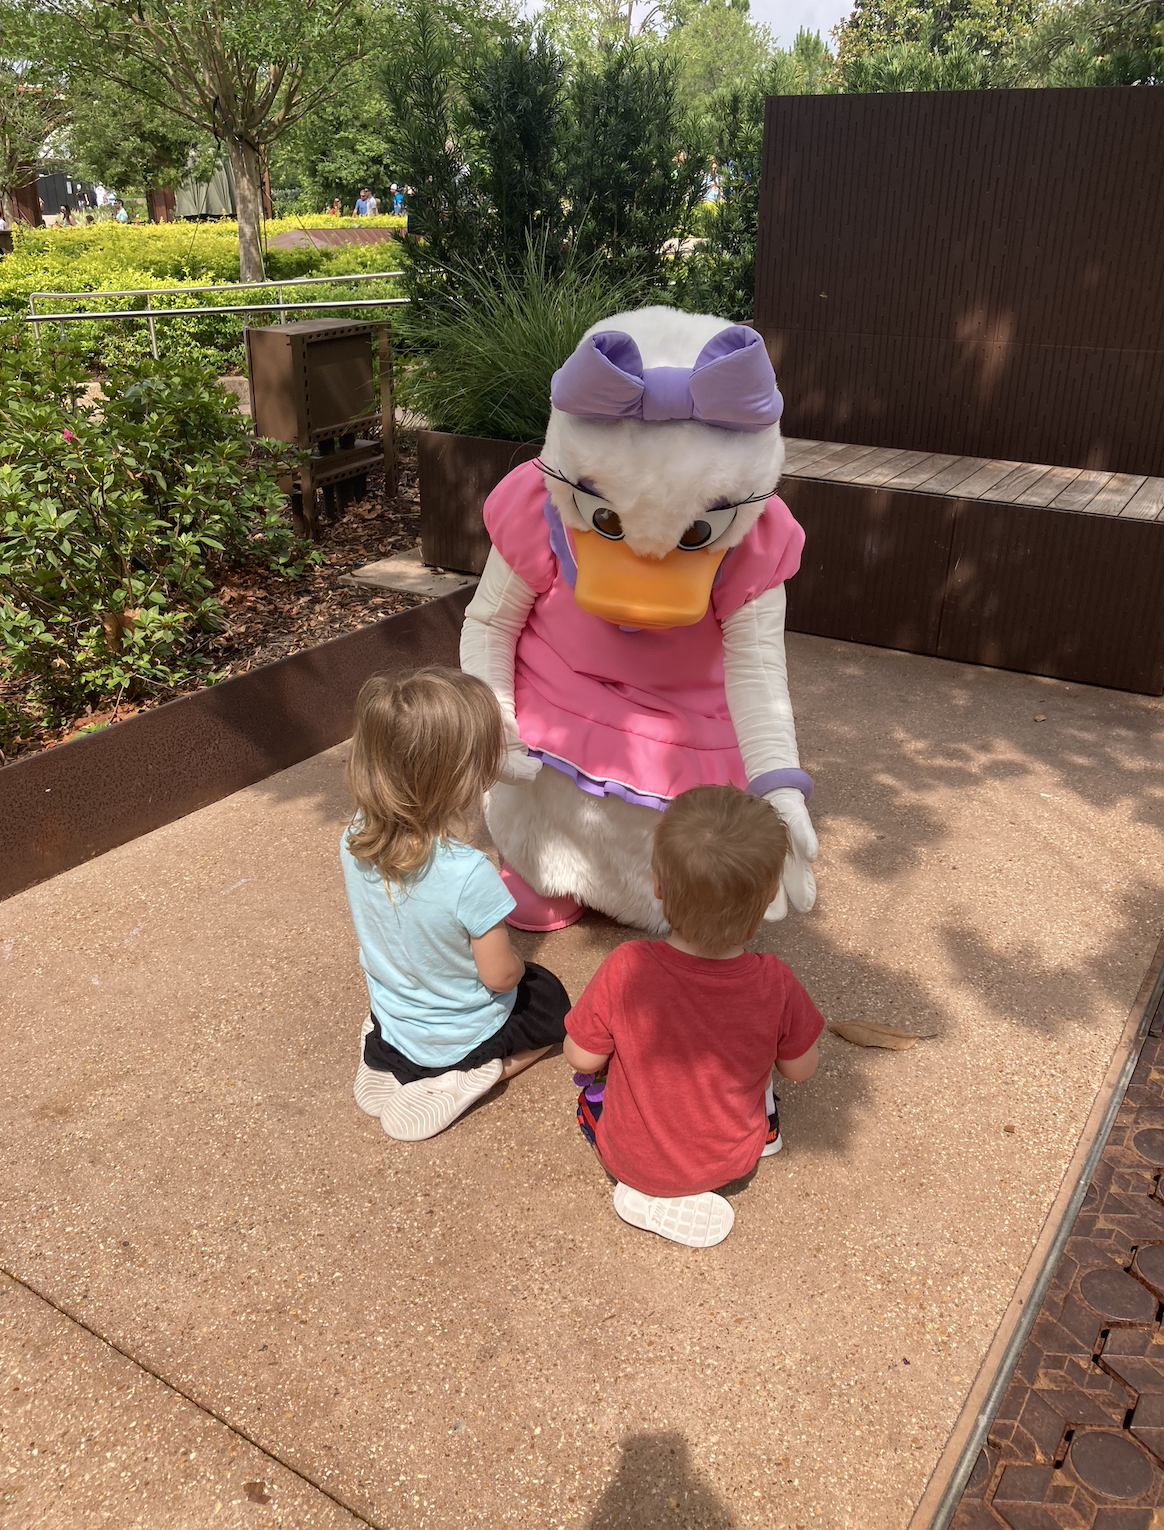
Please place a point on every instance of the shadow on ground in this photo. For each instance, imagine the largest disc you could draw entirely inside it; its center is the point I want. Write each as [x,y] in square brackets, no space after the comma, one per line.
[656,1485]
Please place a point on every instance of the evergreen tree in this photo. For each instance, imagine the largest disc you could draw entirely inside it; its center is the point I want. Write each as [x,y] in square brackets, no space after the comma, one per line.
[719,275]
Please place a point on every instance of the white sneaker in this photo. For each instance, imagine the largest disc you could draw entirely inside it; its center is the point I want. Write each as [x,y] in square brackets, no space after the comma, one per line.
[698,1221]
[421,1110]
[372,1089]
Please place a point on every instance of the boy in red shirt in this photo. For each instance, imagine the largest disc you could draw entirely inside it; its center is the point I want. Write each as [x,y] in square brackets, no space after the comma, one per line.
[689,1028]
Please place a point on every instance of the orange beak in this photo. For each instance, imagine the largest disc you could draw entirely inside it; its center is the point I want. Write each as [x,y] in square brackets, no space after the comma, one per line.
[620,587]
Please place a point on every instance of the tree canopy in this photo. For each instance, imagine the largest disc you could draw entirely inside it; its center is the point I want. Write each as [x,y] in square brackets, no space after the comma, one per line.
[33,107]
[243,71]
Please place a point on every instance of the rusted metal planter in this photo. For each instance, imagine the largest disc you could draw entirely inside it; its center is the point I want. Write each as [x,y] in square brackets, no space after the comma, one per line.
[62,807]
[457,474]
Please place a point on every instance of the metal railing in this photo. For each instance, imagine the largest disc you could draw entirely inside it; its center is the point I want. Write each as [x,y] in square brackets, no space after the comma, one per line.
[150,314]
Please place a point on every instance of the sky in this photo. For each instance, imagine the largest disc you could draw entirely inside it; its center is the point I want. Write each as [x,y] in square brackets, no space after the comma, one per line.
[784,18]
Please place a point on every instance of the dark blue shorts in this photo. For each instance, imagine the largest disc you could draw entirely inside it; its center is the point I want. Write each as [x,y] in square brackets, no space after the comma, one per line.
[536,1020]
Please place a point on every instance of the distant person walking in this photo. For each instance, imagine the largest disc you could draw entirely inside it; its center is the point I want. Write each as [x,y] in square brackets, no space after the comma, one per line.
[397,200]
[119,213]
[366,205]
[336,209]
[65,219]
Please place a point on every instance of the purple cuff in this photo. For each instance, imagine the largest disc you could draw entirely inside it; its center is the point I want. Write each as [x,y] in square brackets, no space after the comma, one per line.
[772,780]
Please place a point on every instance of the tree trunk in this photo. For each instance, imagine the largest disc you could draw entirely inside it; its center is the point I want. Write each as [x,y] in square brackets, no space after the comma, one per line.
[244,160]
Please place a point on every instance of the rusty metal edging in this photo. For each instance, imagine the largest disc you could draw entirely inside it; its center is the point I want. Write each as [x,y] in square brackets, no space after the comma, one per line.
[69,804]
[947,1483]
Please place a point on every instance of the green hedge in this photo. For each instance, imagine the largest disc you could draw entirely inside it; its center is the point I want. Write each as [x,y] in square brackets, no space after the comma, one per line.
[110,256]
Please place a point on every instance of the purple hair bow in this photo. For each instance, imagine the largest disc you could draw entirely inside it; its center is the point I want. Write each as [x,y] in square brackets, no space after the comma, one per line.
[731,385]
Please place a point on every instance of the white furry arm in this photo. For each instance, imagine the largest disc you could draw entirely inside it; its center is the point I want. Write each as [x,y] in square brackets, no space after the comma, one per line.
[756,680]
[493,622]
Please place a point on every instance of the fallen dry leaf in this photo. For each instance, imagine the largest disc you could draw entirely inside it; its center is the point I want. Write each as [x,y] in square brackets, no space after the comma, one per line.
[864,1033]
[115,624]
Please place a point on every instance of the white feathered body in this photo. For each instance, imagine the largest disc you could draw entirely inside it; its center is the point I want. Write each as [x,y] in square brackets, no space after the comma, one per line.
[659,476]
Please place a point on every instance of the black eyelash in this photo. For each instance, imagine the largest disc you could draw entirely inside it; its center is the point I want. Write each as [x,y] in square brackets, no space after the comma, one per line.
[738,504]
[752,499]
[569,482]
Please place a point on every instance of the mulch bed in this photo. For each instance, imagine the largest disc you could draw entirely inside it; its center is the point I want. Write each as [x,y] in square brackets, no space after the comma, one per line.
[268,617]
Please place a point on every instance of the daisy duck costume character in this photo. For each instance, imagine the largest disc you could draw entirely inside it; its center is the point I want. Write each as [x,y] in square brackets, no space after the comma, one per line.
[630,617]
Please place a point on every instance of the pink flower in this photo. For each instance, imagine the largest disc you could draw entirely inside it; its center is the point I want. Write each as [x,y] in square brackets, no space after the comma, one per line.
[68,435]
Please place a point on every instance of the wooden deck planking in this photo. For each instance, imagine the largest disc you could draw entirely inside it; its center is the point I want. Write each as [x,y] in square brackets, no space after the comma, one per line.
[1008,489]
[872,474]
[821,452]
[1147,503]
[981,483]
[947,480]
[1114,496]
[801,451]
[1079,494]
[1048,487]
[913,476]
[838,468]
[1035,484]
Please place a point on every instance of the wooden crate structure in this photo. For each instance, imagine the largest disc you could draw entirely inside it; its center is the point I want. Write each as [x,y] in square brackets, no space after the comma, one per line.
[314,385]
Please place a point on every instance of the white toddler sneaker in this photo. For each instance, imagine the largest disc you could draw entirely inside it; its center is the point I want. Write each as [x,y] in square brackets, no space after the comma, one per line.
[372,1089]
[698,1221]
[421,1110]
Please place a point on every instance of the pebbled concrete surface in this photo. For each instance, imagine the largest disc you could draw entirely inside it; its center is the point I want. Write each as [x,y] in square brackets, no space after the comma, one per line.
[88,1438]
[461,1332]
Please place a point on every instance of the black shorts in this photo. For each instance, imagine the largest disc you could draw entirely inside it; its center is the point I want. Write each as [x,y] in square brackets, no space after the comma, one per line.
[536,1020]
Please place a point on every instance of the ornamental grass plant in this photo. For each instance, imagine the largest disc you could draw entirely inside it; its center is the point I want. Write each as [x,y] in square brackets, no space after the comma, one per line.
[483,357]
[117,516]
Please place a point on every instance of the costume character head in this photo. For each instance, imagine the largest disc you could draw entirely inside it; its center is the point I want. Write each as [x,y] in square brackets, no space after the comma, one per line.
[662,448]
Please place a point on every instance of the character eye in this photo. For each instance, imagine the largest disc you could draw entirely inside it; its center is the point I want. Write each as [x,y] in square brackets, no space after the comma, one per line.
[710,526]
[600,515]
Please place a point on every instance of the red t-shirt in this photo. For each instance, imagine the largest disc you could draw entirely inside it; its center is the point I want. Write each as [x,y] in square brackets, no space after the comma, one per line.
[691,1043]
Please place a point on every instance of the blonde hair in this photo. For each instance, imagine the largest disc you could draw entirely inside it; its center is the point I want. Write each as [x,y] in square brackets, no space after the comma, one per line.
[426,749]
[718,856]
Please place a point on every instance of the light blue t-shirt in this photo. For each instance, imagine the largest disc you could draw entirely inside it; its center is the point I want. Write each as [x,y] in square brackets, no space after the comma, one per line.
[415,952]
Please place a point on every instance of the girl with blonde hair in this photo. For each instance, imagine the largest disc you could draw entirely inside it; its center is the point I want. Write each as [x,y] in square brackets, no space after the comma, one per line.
[454,1008]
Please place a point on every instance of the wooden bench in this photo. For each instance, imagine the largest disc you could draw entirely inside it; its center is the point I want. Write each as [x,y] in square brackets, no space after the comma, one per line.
[1051,570]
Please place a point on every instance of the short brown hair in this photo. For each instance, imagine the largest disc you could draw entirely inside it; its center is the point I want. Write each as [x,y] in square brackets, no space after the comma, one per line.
[426,748]
[718,857]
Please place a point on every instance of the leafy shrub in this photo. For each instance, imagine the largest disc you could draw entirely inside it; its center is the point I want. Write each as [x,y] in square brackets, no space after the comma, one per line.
[485,354]
[115,515]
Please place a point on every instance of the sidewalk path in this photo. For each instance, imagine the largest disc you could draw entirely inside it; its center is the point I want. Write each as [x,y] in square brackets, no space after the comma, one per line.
[461,1333]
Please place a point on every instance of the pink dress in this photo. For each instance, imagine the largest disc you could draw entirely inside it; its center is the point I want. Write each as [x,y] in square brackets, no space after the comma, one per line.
[642,715]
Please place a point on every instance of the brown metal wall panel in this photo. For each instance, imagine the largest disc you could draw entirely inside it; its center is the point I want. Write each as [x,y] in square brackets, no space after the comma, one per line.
[972,272]
[874,564]
[457,475]
[69,804]
[1078,597]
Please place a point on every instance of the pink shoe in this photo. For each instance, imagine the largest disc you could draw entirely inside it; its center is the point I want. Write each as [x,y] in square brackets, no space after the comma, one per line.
[533,912]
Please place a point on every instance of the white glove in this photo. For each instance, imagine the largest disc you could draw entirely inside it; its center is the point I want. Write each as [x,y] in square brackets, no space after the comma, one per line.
[797,885]
[517,764]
